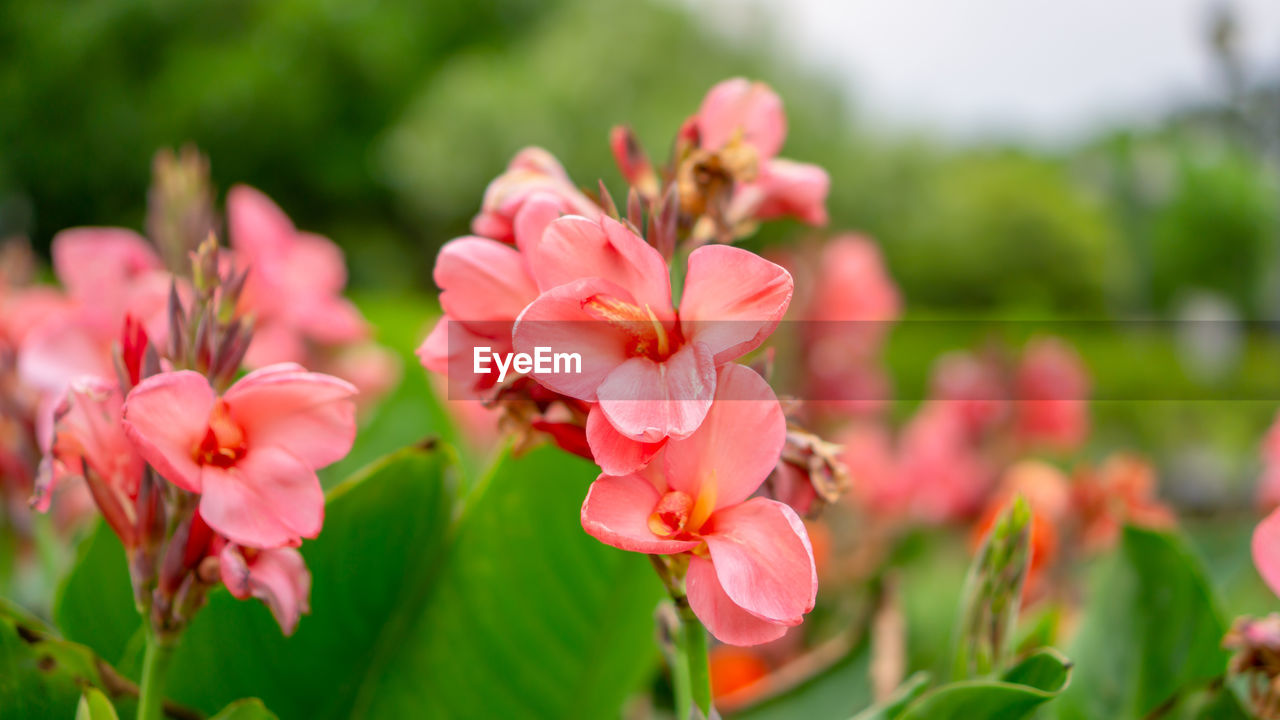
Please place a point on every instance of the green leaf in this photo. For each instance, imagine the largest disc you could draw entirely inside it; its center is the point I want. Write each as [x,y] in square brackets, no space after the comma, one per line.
[428,605]
[246,709]
[1153,629]
[896,703]
[1024,688]
[95,706]
[41,677]
[94,605]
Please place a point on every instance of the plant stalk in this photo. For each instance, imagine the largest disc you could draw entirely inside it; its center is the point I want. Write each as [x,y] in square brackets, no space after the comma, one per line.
[155,671]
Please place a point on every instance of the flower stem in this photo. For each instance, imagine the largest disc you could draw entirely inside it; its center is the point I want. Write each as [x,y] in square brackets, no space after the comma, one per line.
[155,668]
[694,647]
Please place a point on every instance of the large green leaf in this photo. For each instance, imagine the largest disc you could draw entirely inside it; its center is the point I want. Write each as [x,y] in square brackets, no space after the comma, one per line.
[1017,694]
[425,605]
[40,677]
[1153,629]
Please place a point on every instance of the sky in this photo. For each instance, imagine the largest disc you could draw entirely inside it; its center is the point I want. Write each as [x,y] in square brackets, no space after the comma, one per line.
[1032,70]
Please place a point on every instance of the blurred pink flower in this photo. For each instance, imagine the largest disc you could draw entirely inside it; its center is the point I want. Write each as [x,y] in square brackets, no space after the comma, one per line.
[751,572]
[88,443]
[533,171]
[107,273]
[252,453]
[295,283]
[650,368]
[1052,392]
[1266,550]
[276,576]
[1269,485]
[737,111]
[976,388]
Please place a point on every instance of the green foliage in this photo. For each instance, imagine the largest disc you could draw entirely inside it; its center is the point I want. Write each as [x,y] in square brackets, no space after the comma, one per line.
[833,694]
[426,604]
[247,709]
[288,96]
[1004,229]
[1017,694]
[1152,631]
[95,706]
[40,676]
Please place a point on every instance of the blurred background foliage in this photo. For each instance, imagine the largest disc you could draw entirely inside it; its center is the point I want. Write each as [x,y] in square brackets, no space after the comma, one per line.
[380,124]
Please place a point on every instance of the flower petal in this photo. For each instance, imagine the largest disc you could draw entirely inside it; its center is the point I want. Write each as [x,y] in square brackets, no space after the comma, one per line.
[648,401]
[268,499]
[1266,550]
[728,622]
[311,415]
[573,248]
[92,262]
[739,106]
[615,453]
[482,281]
[535,215]
[616,512]
[557,321]
[763,559]
[733,300]
[785,188]
[166,416]
[737,444]
[278,577]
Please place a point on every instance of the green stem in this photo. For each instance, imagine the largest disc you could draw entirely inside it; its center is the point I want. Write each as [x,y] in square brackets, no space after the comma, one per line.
[680,675]
[694,647]
[155,669]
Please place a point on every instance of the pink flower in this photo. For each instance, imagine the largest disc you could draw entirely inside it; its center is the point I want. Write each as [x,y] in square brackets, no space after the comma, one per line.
[485,285]
[650,368]
[1052,392]
[89,444]
[946,475]
[533,171]
[751,571]
[250,454]
[1266,550]
[739,111]
[974,386]
[295,283]
[108,273]
[276,576]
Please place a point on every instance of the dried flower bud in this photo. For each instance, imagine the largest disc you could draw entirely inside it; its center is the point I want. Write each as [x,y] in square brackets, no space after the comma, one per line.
[1256,642]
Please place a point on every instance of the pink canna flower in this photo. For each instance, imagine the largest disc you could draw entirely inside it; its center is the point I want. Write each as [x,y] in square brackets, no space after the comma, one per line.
[1052,392]
[532,172]
[1269,485]
[650,368]
[276,576]
[751,571]
[295,283]
[88,443]
[485,285]
[107,273]
[739,112]
[252,453]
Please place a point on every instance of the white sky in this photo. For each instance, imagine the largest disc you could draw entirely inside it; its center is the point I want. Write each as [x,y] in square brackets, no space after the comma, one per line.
[1032,69]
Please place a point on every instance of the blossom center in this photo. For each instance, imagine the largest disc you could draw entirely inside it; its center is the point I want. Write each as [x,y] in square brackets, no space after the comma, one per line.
[223,443]
[671,515]
[649,337]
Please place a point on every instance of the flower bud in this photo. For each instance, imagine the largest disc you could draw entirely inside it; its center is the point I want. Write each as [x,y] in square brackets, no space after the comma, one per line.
[993,593]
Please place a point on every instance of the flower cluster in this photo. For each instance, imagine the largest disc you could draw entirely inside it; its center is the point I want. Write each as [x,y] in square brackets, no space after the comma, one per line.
[684,434]
[131,376]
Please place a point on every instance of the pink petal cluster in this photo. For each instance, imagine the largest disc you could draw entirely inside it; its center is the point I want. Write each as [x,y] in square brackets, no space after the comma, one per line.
[751,571]
[294,293]
[1266,537]
[683,435]
[532,172]
[251,453]
[738,111]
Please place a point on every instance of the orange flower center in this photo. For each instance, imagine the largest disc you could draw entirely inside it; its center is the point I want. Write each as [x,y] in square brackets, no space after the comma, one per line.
[671,515]
[223,443]
[649,336]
